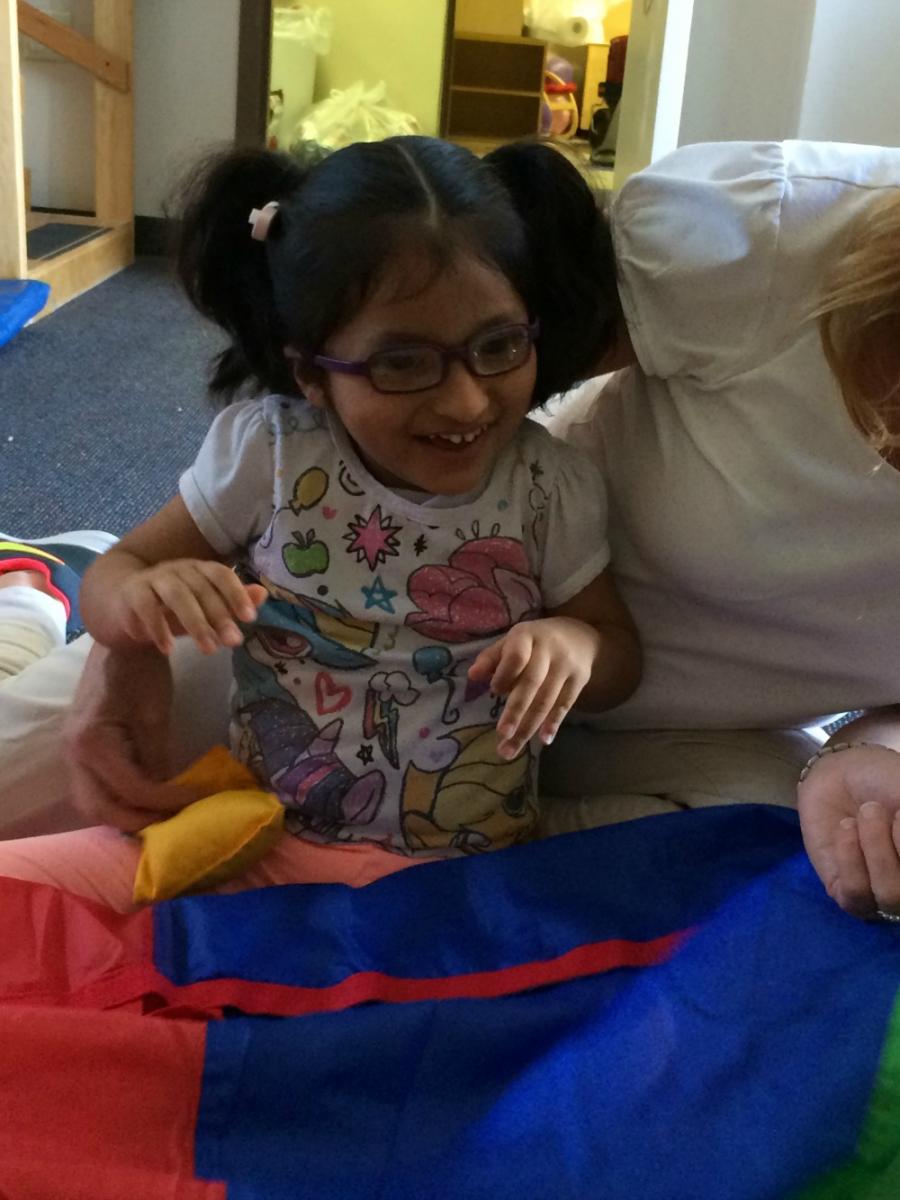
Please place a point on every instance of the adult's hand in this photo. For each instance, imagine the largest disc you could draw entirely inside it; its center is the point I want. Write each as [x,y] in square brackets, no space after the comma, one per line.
[117,734]
[849,808]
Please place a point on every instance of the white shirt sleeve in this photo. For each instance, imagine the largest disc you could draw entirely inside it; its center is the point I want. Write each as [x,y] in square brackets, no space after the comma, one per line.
[695,237]
[572,537]
[228,490]
[722,248]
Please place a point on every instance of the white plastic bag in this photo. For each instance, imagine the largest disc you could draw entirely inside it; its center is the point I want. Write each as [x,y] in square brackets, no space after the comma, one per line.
[356,114]
[310,26]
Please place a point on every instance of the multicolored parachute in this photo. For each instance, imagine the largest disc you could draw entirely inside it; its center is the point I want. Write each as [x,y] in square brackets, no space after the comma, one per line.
[669,1009]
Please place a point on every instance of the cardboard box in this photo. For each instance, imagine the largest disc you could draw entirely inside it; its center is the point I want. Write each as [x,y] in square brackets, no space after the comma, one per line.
[501,17]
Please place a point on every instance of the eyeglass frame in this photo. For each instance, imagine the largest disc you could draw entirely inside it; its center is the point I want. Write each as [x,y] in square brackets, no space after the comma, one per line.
[349,366]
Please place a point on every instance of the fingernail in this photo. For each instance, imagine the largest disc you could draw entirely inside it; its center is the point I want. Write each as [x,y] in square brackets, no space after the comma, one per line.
[870,809]
[848,823]
[548,737]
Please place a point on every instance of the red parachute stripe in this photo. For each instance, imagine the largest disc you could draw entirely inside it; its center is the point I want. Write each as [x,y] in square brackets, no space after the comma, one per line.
[86,956]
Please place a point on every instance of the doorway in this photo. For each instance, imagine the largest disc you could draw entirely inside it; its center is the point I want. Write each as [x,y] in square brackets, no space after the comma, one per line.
[462,71]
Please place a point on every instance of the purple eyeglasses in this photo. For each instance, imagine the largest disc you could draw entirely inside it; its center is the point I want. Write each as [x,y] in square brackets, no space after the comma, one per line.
[415,368]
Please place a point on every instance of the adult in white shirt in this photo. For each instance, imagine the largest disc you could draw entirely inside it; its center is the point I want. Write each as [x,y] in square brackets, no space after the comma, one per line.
[754,522]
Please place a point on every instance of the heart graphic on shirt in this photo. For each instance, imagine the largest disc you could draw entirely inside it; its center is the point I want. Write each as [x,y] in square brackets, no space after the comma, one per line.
[328,512]
[331,697]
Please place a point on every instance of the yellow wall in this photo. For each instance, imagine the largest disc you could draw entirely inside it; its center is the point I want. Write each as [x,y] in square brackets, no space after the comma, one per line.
[399,41]
[617,21]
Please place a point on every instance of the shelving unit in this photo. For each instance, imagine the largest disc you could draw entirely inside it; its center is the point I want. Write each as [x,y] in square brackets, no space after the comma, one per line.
[108,59]
[496,84]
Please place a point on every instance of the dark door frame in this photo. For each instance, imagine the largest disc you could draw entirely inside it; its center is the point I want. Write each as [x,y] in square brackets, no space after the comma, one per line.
[254,54]
[254,57]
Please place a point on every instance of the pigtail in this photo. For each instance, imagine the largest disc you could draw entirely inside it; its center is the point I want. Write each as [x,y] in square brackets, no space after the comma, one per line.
[570,246]
[225,272]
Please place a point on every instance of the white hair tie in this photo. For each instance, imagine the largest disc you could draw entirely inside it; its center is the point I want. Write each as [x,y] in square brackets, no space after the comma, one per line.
[261,219]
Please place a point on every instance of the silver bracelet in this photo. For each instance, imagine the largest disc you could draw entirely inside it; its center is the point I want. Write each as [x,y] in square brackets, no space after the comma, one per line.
[834,749]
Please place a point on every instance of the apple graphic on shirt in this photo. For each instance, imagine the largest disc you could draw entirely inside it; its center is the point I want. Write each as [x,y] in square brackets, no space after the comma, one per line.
[305,556]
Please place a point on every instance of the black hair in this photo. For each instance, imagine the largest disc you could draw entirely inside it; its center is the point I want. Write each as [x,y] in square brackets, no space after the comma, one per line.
[571,257]
[341,219]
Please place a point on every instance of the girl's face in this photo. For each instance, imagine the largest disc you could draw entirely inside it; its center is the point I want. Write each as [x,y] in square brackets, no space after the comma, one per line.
[414,440]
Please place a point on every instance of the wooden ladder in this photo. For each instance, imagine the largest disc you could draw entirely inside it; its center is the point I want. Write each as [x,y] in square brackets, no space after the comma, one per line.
[108,59]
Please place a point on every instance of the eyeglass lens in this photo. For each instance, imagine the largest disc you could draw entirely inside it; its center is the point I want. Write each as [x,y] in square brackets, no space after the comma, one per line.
[415,368]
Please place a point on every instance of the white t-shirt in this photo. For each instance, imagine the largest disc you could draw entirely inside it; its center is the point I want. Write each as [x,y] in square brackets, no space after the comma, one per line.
[755,534]
[352,700]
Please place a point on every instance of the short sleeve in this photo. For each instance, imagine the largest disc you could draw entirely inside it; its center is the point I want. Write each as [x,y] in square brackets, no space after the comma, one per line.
[695,237]
[722,248]
[572,539]
[228,490]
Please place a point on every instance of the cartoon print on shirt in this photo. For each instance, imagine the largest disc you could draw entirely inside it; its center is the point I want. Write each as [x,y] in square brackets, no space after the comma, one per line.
[373,538]
[305,555]
[379,596]
[485,587]
[478,802]
[538,499]
[331,696]
[300,627]
[283,745]
[437,664]
[347,482]
[381,715]
[301,419]
[309,488]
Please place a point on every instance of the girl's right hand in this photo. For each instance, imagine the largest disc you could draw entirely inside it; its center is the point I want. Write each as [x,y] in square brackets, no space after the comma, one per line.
[201,598]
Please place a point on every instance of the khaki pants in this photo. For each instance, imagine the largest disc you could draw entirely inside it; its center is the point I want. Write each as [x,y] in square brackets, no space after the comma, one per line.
[591,778]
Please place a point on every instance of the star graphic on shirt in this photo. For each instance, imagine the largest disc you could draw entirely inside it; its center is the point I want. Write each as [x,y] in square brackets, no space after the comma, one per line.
[420,545]
[364,754]
[378,596]
[536,471]
[373,540]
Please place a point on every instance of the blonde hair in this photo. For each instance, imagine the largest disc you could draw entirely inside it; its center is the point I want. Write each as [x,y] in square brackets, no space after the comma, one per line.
[859,321]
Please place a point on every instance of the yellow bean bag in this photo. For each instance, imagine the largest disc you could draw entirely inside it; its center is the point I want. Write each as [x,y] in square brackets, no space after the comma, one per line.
[212,840]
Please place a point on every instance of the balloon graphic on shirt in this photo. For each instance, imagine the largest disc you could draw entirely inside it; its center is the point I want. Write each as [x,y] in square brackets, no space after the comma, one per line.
[309,489]
[436,664]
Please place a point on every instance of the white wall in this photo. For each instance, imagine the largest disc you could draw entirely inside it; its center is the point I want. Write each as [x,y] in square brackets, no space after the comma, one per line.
[58,130]
[746,68]
[852,91]
[185,88]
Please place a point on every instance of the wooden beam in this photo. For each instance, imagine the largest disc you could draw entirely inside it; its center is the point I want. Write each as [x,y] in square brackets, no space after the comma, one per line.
[77,270]
[114,120]
[13,258]
[106,65]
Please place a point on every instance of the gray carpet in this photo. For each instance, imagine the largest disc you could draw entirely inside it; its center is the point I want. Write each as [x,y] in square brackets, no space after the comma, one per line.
[102,405]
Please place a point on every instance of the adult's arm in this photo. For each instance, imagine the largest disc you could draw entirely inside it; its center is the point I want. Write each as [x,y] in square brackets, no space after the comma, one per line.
[849,807]
[117,733]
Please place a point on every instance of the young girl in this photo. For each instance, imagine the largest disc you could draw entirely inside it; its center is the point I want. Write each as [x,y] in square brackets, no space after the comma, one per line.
[412,551]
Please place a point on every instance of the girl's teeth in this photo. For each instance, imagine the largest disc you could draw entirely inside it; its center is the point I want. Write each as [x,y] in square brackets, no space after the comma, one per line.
[457,438]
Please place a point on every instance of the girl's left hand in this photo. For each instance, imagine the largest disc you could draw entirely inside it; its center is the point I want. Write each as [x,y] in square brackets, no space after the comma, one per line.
[541,668]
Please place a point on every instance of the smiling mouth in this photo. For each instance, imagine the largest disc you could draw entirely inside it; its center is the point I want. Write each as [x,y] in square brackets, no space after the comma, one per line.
[455,439]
